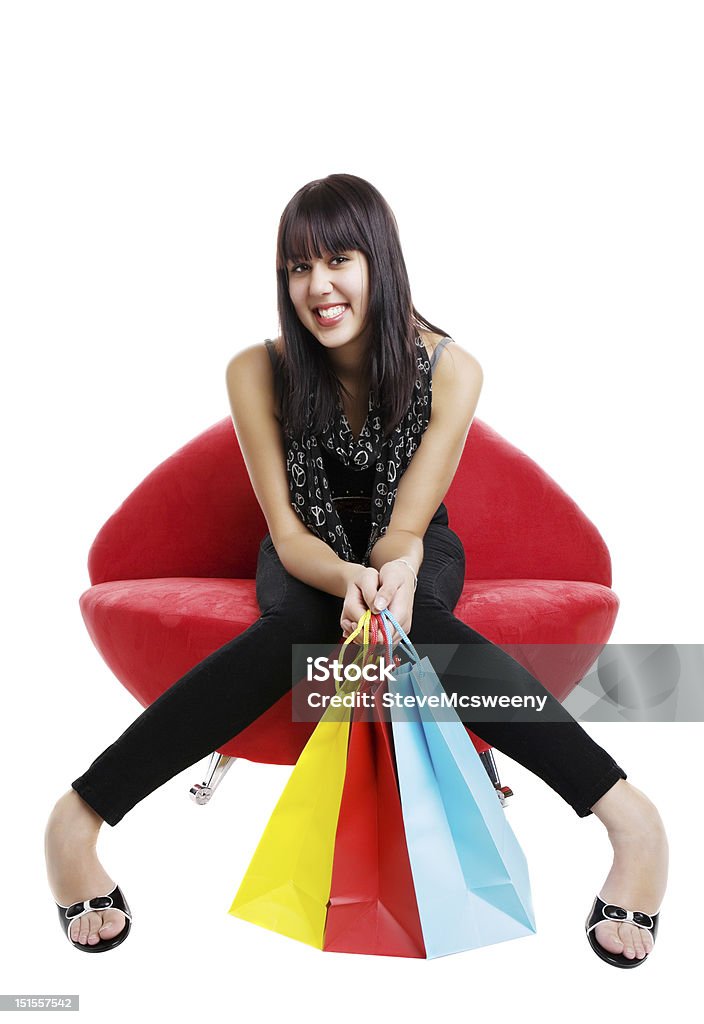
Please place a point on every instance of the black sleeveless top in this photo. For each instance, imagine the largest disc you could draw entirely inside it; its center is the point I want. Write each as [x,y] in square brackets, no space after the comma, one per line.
[352,487]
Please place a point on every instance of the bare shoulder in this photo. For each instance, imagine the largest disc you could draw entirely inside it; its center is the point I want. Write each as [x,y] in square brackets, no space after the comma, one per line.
[461,362]
[251,390]
[455,363]
[251,369]
[430,340]
[457,384]
[250,359]
[457,381]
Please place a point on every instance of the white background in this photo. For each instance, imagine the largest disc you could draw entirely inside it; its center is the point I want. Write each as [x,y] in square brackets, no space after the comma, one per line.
[544,162]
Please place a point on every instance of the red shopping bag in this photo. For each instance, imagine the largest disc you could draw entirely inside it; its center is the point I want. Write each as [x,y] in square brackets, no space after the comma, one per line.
[372,906]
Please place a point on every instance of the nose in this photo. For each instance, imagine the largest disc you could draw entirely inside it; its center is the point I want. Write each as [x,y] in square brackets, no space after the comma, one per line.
[319,280]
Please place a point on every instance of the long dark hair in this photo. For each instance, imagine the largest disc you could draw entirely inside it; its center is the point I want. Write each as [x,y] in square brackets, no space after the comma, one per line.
[331,215]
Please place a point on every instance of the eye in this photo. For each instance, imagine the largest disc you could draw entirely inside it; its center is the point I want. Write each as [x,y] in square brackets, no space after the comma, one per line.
[301,267]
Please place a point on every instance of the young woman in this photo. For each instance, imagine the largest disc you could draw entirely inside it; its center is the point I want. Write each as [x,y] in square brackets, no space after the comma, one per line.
[351,424]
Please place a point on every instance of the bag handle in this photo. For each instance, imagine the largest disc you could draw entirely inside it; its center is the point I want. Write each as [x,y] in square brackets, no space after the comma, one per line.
[362,626]
[405,644]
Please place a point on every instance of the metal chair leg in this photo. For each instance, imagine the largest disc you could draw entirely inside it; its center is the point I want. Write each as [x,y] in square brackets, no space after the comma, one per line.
[201,792]
[503,792]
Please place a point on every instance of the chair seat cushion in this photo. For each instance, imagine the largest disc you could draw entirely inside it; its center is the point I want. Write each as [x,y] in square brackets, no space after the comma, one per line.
[538,611]
[150,632]
[556,629]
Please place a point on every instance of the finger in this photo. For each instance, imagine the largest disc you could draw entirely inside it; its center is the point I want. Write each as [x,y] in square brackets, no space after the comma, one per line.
[354,609]
[373,594]
[383,597]
[351,614]
[352,627]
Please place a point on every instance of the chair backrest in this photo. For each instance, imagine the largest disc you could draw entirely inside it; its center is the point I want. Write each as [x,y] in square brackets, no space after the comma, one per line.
[196,515]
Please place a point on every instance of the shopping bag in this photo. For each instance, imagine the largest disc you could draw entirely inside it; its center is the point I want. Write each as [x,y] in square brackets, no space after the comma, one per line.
[287,884]
[470,874]
[372,906]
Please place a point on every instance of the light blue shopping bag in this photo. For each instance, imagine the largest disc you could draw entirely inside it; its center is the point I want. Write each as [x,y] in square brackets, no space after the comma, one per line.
[469,871]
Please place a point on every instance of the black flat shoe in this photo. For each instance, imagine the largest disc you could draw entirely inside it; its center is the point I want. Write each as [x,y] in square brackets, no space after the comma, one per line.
[610,912]
[115,900]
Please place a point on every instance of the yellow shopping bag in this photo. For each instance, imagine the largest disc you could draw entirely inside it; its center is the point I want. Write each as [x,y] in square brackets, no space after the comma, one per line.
[287,885]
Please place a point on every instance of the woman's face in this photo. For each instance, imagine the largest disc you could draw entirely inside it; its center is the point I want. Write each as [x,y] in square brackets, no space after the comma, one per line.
[331,296]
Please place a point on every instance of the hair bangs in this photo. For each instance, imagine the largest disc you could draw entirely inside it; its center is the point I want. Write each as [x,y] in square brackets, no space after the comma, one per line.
[316,227]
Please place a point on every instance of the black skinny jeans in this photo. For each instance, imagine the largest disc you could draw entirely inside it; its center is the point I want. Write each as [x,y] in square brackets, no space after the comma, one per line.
[234,685]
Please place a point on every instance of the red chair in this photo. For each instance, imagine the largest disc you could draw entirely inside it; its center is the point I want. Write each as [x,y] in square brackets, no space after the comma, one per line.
[172,574]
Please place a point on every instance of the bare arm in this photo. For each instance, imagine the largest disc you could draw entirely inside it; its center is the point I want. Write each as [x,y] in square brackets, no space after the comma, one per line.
[250,387]
[456,387]
[314,562]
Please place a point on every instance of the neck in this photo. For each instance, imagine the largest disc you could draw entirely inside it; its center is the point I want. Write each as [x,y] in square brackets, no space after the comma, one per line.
[347,362]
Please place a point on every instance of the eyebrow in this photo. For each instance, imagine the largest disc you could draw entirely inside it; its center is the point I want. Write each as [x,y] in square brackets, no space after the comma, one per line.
[306,259]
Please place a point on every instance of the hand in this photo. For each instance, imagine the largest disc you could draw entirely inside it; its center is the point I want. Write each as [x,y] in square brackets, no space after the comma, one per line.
[392,587]
[361,591]
[396,592]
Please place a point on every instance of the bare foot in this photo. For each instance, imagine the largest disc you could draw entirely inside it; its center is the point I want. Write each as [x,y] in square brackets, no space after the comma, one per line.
[73,869]
[638,875]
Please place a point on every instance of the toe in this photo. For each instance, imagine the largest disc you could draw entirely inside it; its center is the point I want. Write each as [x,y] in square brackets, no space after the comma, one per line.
[113,923]
[630,941]
[80,928]
[607,935]
[87,924]
[640,942]
[93,929]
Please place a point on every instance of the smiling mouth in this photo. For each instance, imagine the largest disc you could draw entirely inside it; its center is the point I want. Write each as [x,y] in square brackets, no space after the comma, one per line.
[332,314]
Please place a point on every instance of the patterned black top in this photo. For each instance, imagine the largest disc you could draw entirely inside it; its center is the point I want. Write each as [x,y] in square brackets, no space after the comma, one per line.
[344,489]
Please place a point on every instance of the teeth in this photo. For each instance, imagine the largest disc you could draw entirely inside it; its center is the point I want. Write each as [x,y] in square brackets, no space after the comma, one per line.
[328,314]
